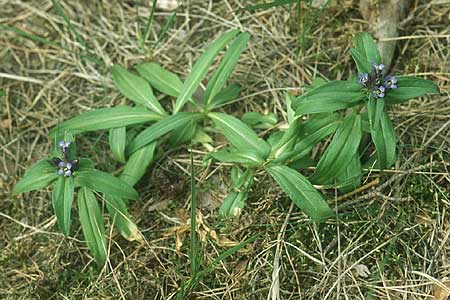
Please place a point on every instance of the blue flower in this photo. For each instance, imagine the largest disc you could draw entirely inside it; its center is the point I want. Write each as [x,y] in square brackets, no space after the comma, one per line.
[390,82]
[64,146]
[378,67]
[66,168]
[378,91]
[363,78]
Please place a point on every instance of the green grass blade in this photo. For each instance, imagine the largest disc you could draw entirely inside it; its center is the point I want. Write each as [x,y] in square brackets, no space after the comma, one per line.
[36,38]
[193,254]
[269,5]
[149,22]
[164,30]
[59,10]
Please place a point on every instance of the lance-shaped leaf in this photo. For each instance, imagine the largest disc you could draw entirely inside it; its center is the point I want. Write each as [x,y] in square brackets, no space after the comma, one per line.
[92,225]
[240,135]
[329,97]
[182,135]
[350,177]
[312,132]
[366,46]
[161,128]
[235,201]
[259,121]
[137,164]
[38,176]
[385,141]
[375,108]
[121,218]
[117,141]
[301,191]
[62,198]
[161,79]
[283,149]
[105,183]
[226,67]
[247,158]
[340,151]
[200,69]
[226,95]
[410,87]
[106,118]
[136,88]
[362,64]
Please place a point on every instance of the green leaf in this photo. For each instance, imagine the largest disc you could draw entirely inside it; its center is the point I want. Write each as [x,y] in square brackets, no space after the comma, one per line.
[301,191]
[137,164]
[283,149]
[38,176]
[105,183]
[258,120]
[117,141]
[182,135]
[235,201]
[200,69]
[340,151]
[92,225]
[410,87]
[314,131]
[225,68]
[161,79]
[161,128]
[385,141]
[290,112]
[226,95]
[350,178]
[329,97]
[362,64]
[62,198]
[375,108]
[136,88]
[121,218]
[106,118]
[84,164]
[239,134]
[366,46]
[248,158]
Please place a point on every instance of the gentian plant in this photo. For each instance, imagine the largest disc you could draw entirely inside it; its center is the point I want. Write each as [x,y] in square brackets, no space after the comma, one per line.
[343,110]
[69,176]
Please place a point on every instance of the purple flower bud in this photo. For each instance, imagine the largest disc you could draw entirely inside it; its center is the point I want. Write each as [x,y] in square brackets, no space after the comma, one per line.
[69,165]
[60,172]
[390,82]
[378,91]
[63,145]
[61,164]
[67,173]
[363,78]
[378,67]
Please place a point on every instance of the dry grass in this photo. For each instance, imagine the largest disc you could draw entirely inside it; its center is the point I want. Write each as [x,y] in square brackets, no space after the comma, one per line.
[399,230]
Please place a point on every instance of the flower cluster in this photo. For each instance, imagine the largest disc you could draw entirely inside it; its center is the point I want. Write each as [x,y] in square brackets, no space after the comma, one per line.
[376,82]
[65,167]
